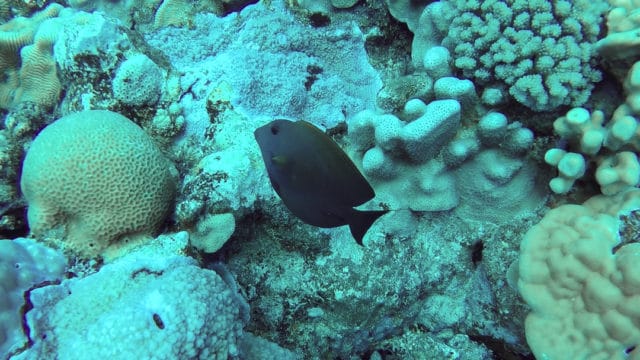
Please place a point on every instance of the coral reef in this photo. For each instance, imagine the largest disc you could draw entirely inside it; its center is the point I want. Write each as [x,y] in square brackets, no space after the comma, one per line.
[328,81]
[325,301]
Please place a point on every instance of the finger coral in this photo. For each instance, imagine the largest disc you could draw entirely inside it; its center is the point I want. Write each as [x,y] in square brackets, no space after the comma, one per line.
[537,52]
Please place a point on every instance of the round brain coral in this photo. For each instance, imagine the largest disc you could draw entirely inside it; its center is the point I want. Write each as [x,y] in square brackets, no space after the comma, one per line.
[100,177]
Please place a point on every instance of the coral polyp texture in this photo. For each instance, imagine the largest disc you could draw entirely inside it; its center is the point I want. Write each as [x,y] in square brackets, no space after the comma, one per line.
[539,52]
[100,177]
[621,42]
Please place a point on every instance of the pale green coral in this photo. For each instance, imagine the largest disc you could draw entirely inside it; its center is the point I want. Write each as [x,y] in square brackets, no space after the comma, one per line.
[587,134]
[100,177]
[613,145]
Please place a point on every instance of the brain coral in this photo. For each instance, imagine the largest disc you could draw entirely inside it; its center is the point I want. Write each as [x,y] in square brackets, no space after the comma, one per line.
[98,175]
[540,51]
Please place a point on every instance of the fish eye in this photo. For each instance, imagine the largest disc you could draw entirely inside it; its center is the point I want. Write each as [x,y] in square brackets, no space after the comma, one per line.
[274,130]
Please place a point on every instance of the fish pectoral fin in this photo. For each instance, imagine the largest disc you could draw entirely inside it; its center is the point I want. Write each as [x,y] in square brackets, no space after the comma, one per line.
[279,160]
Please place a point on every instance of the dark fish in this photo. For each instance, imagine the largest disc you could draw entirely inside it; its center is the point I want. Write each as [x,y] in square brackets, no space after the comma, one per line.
[314,178]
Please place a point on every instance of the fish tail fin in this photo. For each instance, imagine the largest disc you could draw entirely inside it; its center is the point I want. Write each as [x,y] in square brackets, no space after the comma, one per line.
[361,221]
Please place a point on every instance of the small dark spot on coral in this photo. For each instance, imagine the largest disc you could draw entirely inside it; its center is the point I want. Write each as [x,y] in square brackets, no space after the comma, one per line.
[319,20]
[219,176]
[629,350]
[338,130]
[158,321]
[144,271]
[314,69]
[384,206]
[88,61]
[476,252]
[27,306]
[313,72]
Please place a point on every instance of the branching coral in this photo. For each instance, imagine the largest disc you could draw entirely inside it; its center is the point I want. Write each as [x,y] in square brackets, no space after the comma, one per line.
[537,51]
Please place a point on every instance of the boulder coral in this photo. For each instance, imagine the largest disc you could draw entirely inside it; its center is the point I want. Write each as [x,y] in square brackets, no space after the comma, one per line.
[100,177]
